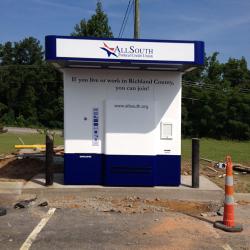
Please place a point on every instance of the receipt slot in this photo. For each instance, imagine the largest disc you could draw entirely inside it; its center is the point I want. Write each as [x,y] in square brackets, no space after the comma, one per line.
[122,108]
[166,130]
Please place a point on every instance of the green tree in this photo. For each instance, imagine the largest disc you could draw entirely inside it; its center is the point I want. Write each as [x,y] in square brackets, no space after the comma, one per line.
[235,71]
[216,100]
[96,26]
[238,116]
[30,89]
[213,69]
[6,54]
[28,52]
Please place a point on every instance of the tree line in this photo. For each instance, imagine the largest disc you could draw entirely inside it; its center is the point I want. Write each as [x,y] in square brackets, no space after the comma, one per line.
[215,97]
[31,90]
[216,100]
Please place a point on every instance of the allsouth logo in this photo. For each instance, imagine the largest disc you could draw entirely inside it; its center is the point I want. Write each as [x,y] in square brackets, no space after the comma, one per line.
[110,51]
[127,52]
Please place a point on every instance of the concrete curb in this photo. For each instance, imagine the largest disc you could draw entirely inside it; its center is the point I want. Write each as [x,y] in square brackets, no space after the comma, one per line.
[242,197]
[207,192]
[144,193]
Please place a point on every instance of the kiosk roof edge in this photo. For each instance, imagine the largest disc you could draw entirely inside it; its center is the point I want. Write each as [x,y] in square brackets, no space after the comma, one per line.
[67,51]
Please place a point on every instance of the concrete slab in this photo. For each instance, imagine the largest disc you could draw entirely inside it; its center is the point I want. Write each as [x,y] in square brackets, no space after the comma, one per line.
[11,187]
[208,191]
[38,181]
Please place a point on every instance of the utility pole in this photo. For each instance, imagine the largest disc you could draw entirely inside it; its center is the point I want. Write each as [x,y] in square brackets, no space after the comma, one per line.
[137,20]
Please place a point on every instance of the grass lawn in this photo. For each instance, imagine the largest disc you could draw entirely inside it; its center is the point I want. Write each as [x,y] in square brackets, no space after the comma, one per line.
[209,148]
[217,150]
[9,140]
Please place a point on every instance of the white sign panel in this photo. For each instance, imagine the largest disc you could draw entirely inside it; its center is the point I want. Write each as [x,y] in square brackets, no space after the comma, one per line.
[128,112]
[125,50]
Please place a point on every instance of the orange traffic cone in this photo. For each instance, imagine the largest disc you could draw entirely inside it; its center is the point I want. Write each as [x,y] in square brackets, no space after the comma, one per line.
[228,224]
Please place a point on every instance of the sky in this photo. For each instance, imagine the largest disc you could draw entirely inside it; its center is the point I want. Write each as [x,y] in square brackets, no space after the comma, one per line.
[224,25]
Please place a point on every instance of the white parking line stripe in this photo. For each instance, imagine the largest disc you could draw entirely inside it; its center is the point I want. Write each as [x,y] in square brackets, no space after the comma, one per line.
[28,242]
[227,247]
[212,231]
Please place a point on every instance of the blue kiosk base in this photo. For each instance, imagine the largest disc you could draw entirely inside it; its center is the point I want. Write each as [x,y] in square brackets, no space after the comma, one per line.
[122,170]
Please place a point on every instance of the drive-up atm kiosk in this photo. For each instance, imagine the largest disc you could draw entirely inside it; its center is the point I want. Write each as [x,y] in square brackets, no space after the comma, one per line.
[122,108]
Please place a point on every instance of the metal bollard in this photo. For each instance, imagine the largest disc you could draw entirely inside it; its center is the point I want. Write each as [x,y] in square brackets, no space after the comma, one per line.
[49,160]
[195,163]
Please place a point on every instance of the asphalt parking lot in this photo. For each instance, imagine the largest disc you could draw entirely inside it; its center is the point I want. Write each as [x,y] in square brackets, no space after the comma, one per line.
[87,227]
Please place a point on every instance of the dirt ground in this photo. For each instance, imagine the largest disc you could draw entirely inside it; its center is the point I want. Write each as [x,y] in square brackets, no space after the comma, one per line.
[14,169]
[131,205]
[241,180]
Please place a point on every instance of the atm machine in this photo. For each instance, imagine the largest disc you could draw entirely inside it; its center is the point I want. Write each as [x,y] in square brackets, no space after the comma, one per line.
[122,108]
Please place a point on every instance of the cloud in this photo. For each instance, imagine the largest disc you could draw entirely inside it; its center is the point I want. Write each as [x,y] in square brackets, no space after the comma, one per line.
[217,26]
[191,19]
[238,21]
[63,6]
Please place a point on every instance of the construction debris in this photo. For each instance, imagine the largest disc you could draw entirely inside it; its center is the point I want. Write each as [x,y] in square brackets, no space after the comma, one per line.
[43,204]
[212,169]
[221,165]
[37,150]
[241,168]
[59,150]
[3,211]
[25,203]
[3,157]
[220,211]
[222,175]
[209,214]
[34,146]
[207,160]
[33,151]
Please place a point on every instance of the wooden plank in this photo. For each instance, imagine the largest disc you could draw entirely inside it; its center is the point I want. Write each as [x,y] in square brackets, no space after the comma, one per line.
[241,168]
[30,146]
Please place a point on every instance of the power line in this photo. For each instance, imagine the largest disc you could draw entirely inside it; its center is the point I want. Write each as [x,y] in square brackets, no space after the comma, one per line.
[125,19]
[207,86]
[24,66]
[203,84]
[189,98]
